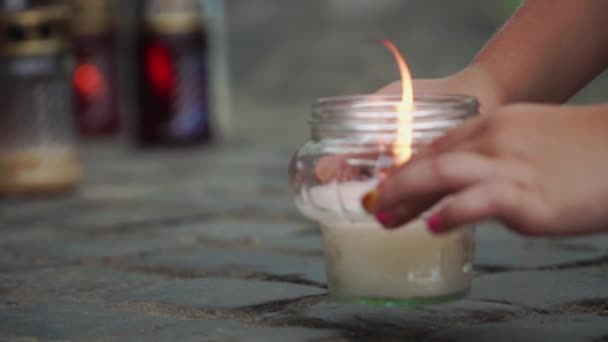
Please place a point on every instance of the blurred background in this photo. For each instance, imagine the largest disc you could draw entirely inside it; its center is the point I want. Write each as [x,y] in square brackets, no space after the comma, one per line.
[284,54]
[261,63]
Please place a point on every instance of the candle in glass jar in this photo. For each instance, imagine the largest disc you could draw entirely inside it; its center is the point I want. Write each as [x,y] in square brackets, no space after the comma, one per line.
[355,142]
[365,261]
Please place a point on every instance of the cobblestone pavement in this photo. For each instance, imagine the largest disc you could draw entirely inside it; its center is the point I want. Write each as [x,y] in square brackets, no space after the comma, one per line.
[205,245]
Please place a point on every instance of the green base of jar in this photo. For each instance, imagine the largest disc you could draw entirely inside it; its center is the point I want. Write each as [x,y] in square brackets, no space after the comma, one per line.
[413,302]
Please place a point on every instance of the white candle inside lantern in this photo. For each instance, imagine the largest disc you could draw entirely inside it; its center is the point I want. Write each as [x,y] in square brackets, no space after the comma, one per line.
[366,262]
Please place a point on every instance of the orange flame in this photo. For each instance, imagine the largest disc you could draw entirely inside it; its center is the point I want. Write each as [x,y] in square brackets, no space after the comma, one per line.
[403,146]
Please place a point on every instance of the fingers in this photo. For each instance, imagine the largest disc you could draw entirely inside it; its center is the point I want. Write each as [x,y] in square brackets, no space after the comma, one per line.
[396,217]
[486,200]
[452,140]
[433,177]
[416,188]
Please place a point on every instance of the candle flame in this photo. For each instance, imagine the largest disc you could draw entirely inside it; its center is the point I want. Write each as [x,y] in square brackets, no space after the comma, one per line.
[403,146]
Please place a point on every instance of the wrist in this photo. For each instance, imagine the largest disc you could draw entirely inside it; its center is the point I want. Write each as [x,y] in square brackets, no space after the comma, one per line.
[481,84]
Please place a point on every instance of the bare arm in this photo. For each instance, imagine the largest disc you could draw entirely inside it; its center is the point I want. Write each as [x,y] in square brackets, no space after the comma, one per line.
[547,52]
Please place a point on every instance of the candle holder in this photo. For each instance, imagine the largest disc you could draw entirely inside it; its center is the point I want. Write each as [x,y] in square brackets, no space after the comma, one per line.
[173,84]
[37,149]
[356,141]
[95,78]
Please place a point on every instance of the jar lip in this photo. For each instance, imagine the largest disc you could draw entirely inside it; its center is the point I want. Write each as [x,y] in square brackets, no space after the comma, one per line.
[379,114]
[423,103]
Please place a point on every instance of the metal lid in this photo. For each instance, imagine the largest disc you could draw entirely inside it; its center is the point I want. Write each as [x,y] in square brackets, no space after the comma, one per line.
[172,16]
[33,32]
[92,16]
[376,117]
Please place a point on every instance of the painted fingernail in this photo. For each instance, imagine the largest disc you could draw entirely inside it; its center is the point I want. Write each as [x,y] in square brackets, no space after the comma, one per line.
[385,218]
[434,224]
[369,201]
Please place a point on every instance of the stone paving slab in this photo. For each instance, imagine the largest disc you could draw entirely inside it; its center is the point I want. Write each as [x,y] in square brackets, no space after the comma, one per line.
[543,289]
[404,323]
[70,320]
[254,272]
[79,249]
[214,293]
[12,261]
[499,248]
[224,330]
[205,260]
[288,235]
[80,278]
[540,328]
[599,242]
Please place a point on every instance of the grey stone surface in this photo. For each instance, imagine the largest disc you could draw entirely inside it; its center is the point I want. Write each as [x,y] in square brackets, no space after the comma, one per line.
[407,323]
[69,320]
[542,289]
[287,234]
[213,260]
[498,247]
[218,293]
[15,213]
[79,249]
[598,242]
[68,280]
[532,329]
[224,330]
[243,265]
[11,260]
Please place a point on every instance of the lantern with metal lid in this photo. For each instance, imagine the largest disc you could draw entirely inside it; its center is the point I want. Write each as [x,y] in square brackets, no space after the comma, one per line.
[37,152]
[172,80]
[95,76]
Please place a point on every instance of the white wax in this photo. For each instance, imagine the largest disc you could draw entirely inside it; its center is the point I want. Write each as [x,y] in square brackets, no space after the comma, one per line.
[366,261]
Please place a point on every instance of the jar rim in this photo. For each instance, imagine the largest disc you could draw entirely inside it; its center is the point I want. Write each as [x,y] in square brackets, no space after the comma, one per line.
[423,103]
[433,114]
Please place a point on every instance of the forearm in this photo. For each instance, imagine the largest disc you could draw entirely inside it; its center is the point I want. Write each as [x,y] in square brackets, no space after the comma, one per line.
[547,52]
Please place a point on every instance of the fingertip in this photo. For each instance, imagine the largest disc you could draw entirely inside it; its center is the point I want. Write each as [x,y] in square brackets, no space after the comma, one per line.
[370,201]
[384,217]
[434,224]
[388,220]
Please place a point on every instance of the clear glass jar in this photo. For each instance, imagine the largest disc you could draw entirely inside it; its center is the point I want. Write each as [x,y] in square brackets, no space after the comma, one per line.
[353,146]
[37,151]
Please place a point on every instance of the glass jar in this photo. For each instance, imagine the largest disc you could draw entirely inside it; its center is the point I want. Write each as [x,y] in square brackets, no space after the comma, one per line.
[355,142]
[37,152]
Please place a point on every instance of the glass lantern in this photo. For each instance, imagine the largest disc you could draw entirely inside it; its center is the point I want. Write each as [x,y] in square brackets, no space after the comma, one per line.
[353,146]
[173,82]
[37,150]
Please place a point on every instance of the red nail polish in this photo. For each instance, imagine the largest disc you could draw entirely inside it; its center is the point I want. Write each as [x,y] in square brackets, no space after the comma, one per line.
[434,224]
[384,217]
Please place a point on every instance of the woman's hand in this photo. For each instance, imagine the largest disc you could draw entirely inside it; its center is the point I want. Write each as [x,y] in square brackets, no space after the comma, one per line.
[542,170]
[472,81]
